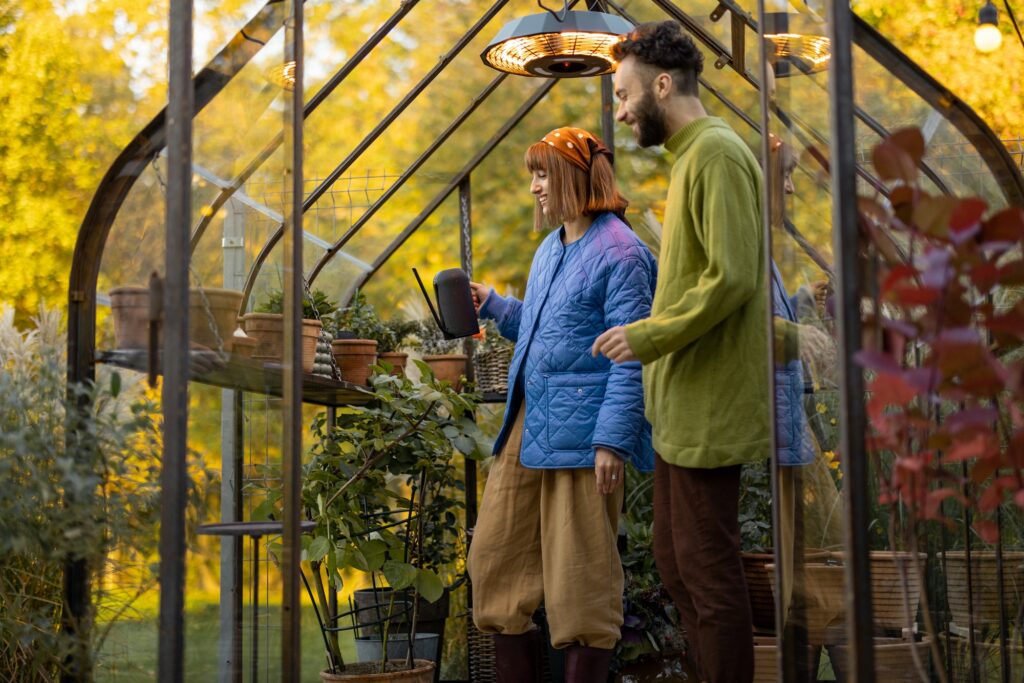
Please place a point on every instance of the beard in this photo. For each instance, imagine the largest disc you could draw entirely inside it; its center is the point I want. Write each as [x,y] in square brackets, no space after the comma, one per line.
[650,123]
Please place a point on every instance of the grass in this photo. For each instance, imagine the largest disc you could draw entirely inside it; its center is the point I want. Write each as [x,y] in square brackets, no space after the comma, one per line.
[129,654]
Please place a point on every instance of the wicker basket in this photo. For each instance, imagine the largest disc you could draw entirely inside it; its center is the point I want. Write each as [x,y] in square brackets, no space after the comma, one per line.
[492,370]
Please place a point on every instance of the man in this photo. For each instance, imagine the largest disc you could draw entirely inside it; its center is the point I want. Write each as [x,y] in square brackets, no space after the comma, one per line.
[705,347]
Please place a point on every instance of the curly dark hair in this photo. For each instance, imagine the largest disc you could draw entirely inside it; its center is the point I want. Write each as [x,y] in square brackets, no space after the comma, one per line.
[663,45]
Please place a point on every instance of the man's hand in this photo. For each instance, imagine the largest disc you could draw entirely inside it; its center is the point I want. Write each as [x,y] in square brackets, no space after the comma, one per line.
[480,294]
[608,469]
[614,345]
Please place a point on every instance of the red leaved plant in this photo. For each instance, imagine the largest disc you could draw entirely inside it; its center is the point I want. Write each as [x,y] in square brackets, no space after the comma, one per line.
[941,392]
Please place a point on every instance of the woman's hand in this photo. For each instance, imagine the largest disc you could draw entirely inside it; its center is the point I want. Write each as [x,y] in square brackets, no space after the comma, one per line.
[608,469]
[480,294]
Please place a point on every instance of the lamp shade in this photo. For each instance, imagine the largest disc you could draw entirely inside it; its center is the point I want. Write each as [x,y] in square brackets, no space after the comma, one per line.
[541,45]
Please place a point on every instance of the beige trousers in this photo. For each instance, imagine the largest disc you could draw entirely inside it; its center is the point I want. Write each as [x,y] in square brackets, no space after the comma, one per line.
[546,535]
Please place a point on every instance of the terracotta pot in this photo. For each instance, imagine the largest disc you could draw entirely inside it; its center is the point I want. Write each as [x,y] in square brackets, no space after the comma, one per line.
[825,600]
[396,360]
[988,661]
[766,661]
[211,309]
[244,346]
[268,330]
[894,660]
[766,655]
[422,672]
[985,582]
[759,587]
[449,367]
[355,359]
[130,307]
[212,312]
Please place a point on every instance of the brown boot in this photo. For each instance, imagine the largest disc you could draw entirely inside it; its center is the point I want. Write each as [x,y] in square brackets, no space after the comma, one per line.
[587,664]
[518,658]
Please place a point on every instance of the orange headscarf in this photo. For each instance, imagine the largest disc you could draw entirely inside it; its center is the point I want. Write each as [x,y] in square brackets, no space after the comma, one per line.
[576,145]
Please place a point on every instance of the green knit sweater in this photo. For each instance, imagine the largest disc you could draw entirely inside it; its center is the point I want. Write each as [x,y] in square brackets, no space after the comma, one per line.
[705,346]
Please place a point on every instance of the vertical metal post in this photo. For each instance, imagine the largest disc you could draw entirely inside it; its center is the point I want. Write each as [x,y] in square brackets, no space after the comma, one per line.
[291,647]
[466,260]
[607,89]
[170,651]
[846,239]
[231,455]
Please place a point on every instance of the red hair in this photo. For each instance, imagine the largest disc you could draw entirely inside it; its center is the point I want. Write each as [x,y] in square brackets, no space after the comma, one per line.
[573,192]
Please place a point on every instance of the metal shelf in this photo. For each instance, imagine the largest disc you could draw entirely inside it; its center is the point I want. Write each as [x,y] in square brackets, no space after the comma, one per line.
[246,374]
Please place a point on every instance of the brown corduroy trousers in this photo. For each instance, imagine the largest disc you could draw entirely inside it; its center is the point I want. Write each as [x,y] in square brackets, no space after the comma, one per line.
[546,535]
[697,552]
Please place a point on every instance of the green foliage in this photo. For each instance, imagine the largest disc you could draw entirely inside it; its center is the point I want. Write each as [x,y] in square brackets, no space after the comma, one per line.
[318,307]
[650,620]
[358,318]
[395,334]
[89,494]
[373,467]
[431,341]
[755,507]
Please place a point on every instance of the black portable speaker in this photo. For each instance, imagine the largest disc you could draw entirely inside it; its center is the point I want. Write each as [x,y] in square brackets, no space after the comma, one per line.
[455,313]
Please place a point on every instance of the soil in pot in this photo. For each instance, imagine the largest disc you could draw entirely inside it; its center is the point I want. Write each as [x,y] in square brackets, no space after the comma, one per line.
[449,367]
[355,359]
[394,672]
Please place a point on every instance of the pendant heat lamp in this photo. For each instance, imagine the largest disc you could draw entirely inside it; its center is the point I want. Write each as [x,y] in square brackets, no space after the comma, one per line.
[551,44]
[795,34]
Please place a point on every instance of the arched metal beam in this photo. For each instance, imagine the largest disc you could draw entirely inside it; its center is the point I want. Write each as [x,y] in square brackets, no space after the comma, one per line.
[955,110]
[122,174]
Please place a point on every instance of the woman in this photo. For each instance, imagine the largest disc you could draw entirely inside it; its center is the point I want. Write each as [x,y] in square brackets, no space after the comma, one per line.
[549,518]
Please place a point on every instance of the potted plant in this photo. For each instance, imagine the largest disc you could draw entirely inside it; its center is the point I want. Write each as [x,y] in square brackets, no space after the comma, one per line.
[392,338]
[377,464]
[356,329]
[444,357]
[266,325]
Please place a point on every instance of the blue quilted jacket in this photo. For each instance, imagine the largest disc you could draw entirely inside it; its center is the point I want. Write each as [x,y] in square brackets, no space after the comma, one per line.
[575,402]
[792,442]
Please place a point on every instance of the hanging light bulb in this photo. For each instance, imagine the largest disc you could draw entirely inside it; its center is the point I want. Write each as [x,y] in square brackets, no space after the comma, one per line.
[557,45]
[988,37]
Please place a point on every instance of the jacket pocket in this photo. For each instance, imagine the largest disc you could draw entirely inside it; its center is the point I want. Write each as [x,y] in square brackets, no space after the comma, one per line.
[573,401]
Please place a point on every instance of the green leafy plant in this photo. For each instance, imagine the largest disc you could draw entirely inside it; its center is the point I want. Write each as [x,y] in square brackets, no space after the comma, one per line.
[315,307]
[379,487]
[755,508]
[80,469]
[359,318]
[395,334]
[650,620]
[431,341]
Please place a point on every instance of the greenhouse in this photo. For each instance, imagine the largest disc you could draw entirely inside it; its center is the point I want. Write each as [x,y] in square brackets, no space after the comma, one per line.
[268,457]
